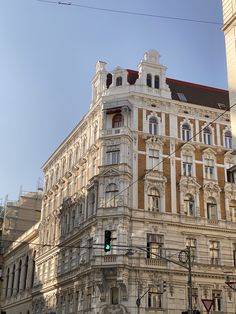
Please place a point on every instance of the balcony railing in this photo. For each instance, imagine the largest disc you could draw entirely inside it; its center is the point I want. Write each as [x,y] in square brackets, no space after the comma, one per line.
[116,131]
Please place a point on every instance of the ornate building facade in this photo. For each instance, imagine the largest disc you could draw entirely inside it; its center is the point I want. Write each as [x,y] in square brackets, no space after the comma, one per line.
[148,162]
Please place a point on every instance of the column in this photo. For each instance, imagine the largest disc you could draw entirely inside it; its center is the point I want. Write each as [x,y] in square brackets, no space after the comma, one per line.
[22,277]
[197,131]
[30,274]
[9,283]
[15,287]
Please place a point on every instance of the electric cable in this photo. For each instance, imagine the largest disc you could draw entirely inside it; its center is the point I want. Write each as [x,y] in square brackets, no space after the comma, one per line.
[130,12]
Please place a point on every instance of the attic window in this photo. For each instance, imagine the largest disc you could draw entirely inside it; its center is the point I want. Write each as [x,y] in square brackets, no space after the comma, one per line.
[221,106]
[186,112]
[182,97]
[153,105]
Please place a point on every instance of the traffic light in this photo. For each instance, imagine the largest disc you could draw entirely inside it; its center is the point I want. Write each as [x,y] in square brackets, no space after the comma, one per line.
[163,286]
[107,242]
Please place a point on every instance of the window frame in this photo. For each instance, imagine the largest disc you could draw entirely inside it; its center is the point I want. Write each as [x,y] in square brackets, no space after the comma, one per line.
[111,200]
[153,124]
[154,200]
[186,131]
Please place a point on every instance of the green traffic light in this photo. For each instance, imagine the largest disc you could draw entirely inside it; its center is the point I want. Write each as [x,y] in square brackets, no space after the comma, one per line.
[108,247]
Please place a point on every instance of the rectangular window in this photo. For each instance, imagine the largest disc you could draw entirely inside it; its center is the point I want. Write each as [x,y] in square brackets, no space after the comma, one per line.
[192,244]
[90,249]
[214,252]
[211,211]
[234,254]
[153,159]
[113,154]
[82,178]
[187,165]
[155,244]
[233,214]
[209,169]
[154,298]
[217,303]
[94,167]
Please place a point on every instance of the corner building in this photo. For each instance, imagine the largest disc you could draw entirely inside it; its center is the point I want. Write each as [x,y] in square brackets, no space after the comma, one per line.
[146,164]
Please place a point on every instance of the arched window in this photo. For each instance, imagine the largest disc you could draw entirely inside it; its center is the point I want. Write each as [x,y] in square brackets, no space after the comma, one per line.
[207,136]
[63,166]
[77,153]
[149,80]
[26,271]
[117,121]
[33,269]
[189,205]
[70,161]
[84,145]
[114,295]
[186,132]
[110,195]
[95,133]
[153,200]
[119,81]
[57,173]
[156,82]
[7,282]
[91,203]
[109,80]
[211,208]
[13,278]
[153,126]
[228,139]
[19,275]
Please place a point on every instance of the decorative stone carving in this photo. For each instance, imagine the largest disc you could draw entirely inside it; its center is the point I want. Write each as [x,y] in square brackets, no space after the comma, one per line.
[114,309]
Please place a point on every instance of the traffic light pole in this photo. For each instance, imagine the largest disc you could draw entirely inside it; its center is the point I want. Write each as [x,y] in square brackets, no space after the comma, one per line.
[190,290]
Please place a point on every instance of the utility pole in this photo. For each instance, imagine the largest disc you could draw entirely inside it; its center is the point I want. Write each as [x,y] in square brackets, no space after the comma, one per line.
[190,286]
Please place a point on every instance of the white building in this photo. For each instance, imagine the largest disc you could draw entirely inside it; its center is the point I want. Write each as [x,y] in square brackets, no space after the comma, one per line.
[147,164]
[229,28]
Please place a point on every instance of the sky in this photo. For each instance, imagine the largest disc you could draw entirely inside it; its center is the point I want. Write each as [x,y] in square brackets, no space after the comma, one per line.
[48,54]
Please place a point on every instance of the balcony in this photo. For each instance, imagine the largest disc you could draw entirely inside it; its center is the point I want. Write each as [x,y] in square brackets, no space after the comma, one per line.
[116,131]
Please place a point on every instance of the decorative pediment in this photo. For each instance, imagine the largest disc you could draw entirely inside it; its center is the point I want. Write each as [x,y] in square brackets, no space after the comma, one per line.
[114,309]
[188,149]
[154,141]
[208,153]
[211,186]
[189,184]
[229,158]
[155,175]
[110,172]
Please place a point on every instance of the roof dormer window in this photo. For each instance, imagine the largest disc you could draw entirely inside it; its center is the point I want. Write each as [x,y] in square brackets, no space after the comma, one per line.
[119,81]
[182,97]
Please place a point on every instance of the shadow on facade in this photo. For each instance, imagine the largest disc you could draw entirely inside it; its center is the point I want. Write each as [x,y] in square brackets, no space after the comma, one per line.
[18,280]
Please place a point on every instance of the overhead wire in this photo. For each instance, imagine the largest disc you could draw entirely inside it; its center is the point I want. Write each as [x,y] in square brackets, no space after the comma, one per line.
[69,3]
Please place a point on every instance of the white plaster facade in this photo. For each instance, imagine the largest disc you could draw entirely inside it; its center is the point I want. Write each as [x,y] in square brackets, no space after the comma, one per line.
[100,179]
[229,28]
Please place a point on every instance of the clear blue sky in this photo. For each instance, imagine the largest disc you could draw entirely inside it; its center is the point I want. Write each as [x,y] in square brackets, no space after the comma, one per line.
[47,60]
